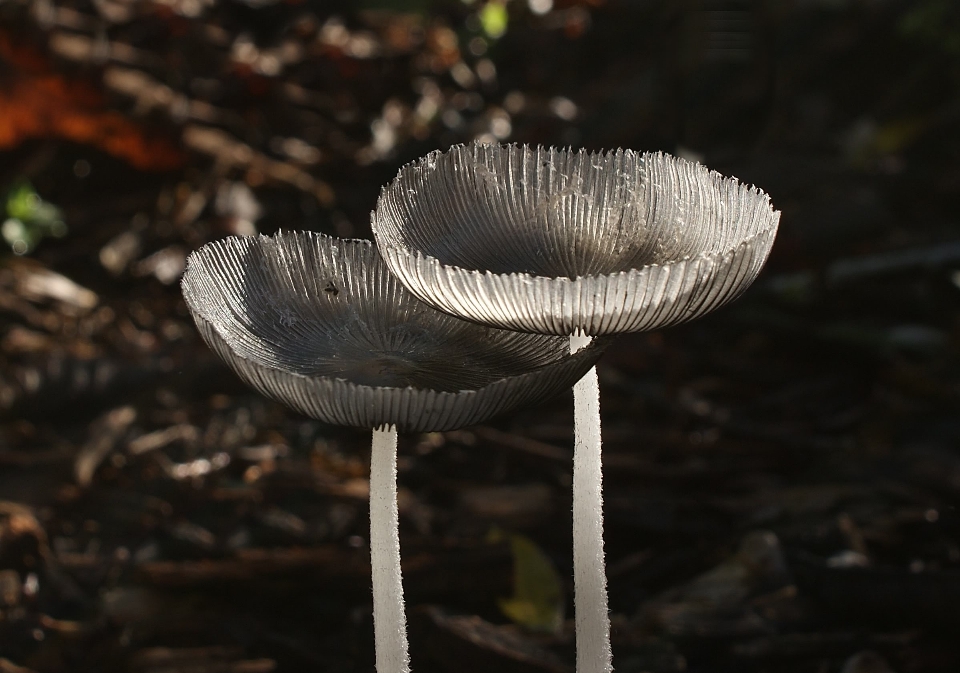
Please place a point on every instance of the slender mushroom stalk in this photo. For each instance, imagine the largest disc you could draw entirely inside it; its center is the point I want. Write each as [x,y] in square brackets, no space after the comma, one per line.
[321,325]
[589,576]
[573,243]
[389,620]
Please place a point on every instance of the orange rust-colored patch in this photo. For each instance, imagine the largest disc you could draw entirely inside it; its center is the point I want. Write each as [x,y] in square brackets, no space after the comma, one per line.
[37,102]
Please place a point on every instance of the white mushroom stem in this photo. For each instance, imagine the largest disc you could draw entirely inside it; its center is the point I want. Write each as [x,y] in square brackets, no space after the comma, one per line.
[389,620]
[589,573]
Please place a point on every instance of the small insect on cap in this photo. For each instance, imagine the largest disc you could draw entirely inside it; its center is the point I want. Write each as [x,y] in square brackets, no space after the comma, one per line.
[555,241]
[321,325]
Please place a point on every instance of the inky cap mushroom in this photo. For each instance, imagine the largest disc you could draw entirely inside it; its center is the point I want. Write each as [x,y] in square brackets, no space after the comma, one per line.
[560,241]
[321,325]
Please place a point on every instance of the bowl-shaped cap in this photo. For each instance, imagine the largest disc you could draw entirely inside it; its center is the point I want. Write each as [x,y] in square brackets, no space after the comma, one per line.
[321,325]
[556,241]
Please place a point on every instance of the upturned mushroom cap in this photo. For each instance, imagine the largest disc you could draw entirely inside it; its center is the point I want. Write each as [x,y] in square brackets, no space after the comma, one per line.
[321,325]
[559,241]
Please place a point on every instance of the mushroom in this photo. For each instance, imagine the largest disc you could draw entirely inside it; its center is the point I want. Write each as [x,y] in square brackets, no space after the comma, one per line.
[320,324]
[581,244]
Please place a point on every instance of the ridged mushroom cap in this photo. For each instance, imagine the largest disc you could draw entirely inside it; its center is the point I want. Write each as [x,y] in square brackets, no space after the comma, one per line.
[559,241]
[321,325]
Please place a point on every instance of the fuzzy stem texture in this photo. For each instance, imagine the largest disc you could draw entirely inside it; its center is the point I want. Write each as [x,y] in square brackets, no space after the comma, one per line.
[389,620]
[589,573]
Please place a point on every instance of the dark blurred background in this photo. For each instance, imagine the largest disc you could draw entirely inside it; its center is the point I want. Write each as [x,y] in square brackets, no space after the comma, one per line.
[781,476]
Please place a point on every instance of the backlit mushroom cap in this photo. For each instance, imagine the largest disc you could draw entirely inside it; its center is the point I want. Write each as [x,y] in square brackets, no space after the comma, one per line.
[321,325]
[555,241]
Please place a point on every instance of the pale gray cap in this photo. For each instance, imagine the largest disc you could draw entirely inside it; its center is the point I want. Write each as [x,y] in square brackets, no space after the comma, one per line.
[558,241]
[321,325]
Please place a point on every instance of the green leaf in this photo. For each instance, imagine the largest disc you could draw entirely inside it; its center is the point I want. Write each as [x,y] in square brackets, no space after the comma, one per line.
[537,602]
[28,218]
[494,19]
